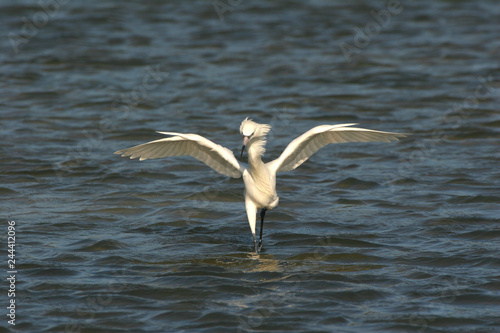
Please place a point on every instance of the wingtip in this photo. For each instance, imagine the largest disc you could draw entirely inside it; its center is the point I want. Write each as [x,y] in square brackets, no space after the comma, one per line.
[401,135]
[123,153]
[397,136]
[167,133]
[343,125]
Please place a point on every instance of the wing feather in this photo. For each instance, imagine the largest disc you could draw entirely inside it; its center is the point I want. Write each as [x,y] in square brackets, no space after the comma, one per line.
[215,156]
[303,147]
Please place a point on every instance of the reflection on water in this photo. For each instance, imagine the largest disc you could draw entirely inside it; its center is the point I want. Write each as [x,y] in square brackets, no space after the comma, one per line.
[265,263]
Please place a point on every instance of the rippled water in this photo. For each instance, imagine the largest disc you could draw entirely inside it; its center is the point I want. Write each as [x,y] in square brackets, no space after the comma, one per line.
[400,237]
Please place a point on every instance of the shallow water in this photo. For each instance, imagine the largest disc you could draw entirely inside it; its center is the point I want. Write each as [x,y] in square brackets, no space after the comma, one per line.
[368,237]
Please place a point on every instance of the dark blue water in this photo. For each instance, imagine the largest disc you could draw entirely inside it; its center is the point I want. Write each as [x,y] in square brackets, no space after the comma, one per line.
[368,237]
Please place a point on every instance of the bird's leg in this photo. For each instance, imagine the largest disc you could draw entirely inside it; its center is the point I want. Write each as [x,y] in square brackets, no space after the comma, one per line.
[262,214]
[255,244]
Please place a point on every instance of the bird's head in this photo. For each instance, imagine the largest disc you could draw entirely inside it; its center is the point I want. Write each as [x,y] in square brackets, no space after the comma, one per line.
[254,133]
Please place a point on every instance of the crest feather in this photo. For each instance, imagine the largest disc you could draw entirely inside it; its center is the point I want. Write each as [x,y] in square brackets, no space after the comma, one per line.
[257,133]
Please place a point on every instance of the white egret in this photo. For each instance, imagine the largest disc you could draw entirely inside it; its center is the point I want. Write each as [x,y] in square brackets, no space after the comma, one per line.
[259,177]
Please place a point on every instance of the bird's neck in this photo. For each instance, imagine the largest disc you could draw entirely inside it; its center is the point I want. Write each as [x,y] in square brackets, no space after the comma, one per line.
[255,152]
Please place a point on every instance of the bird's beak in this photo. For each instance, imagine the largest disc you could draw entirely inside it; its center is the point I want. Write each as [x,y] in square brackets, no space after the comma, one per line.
[245,143]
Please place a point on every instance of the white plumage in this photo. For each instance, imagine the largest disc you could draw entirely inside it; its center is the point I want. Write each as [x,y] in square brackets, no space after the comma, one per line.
[259,177]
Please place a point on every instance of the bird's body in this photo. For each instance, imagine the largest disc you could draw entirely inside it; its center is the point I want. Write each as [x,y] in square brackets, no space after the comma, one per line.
[259,177]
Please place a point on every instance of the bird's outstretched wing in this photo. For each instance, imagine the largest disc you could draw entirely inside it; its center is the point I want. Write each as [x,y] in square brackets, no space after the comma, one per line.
[300,149]
[215,156]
